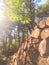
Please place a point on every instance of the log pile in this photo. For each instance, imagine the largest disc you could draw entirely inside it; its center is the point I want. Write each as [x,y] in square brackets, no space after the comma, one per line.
[35,48]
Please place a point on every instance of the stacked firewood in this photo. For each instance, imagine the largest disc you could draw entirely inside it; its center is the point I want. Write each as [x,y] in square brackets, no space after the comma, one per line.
[36,45]
[41,32]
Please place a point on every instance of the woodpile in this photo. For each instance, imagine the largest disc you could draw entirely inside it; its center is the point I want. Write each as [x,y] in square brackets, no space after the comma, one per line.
[33,47]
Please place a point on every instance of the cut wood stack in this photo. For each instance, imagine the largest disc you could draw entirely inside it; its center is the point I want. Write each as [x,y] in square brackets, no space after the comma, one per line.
[33,47]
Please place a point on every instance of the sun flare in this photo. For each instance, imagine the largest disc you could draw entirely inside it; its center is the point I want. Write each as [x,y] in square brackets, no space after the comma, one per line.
[2,16]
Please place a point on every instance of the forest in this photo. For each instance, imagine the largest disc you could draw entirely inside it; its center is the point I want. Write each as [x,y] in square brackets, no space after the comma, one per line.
[24,32]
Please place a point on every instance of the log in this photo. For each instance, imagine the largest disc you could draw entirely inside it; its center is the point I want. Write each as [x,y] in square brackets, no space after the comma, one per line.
[47,21]
[33,34]
[36,33]
[35,41]
[42,24]
[42,47]
[45,33]
[48,60]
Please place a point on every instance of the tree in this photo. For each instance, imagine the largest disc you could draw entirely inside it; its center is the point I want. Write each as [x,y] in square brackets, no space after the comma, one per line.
[43,10]
[21,11]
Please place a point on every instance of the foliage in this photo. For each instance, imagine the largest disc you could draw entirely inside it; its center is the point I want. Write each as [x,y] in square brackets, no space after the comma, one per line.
[19,10]
[43,10]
